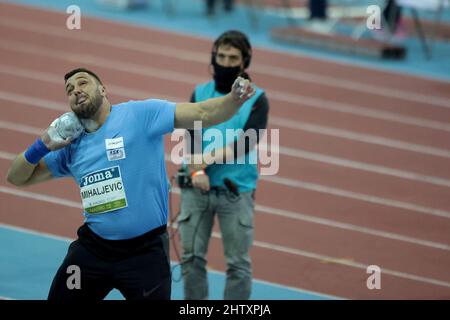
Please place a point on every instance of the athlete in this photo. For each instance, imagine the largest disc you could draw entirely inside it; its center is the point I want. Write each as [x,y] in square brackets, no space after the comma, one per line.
[115,153]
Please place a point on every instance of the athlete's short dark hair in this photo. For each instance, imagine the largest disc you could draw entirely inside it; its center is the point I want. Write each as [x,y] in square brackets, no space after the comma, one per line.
[77,70]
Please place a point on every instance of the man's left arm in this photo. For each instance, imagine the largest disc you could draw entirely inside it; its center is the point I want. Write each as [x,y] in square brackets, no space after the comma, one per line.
[216,110]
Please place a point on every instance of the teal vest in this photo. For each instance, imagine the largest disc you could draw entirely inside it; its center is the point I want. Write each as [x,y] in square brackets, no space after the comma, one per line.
[244,170]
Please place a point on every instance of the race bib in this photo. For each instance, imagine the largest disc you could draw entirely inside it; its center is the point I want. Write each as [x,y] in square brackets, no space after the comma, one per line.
[103,191]
[115,149]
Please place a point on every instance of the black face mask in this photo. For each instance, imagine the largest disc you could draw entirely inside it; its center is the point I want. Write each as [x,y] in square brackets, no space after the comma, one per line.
[224,76]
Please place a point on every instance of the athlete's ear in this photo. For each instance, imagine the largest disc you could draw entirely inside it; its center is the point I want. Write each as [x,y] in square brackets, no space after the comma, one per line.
[102,89]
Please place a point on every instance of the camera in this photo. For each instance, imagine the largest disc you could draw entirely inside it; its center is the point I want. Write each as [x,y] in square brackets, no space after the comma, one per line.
[184,179]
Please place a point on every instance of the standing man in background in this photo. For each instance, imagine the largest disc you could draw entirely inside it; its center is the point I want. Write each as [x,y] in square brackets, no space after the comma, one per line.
[318,9]
[392,14]
[228,5]
[225,189]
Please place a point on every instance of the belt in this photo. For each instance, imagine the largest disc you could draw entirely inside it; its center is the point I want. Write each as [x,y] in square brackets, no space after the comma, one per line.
[218,190]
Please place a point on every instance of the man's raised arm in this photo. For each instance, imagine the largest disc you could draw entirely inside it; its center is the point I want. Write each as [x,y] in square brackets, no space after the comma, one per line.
[216,110]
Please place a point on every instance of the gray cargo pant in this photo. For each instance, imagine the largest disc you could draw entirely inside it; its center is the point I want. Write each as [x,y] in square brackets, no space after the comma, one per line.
[235,215]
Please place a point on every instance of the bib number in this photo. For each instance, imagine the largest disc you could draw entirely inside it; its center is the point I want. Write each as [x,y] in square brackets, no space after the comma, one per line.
[103,191]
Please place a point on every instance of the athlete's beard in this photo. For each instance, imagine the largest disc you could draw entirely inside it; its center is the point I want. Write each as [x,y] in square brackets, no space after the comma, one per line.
[90,110]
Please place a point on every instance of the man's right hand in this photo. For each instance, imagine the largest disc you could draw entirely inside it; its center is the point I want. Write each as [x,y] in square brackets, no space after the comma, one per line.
[62,131]
[53,141]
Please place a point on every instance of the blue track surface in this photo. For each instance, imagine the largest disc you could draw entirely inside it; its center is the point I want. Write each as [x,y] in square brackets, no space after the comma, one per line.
[29,261]
[189,18]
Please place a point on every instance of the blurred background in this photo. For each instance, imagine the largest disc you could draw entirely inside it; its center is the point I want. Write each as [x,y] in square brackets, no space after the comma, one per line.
[358,89]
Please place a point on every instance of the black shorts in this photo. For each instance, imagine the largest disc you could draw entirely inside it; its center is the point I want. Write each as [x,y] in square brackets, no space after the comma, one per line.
[139,267]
